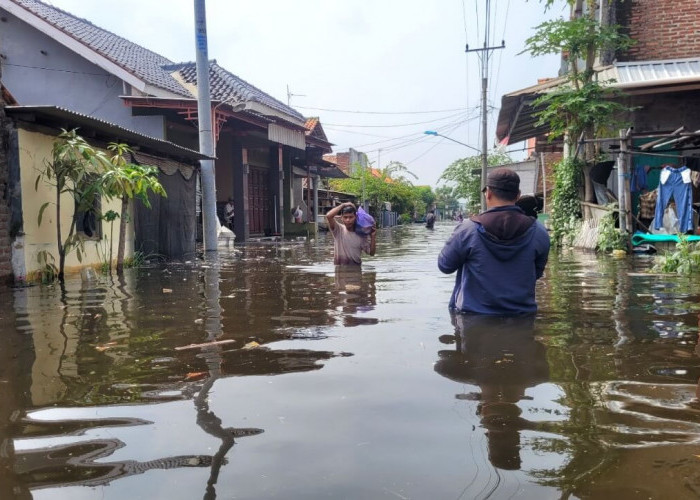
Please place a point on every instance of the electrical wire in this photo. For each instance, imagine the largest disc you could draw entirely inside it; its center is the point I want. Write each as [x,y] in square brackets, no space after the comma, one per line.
[397,125]
[451,110]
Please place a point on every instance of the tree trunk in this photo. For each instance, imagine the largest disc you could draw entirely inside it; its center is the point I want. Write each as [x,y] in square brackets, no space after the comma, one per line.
[61,250]
[122,235]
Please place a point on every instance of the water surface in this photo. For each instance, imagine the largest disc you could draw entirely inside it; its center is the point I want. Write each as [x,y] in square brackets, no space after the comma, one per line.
[317,383]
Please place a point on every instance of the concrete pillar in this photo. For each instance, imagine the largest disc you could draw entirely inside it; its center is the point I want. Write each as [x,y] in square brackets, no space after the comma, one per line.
[241,224]
[277,189]
[315,179]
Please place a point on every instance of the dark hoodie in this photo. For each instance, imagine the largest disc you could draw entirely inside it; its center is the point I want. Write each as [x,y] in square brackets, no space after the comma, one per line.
[498,256]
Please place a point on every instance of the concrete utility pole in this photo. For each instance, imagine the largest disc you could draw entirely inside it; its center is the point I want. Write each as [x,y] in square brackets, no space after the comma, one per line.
[484,56]
[206,140]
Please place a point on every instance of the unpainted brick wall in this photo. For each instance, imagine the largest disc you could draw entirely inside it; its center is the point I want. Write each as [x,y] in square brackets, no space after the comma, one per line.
[5,243]
[663,29]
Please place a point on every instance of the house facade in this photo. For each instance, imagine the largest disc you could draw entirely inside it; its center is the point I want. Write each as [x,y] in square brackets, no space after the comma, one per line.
[52,57]
[31,133]
[659,79]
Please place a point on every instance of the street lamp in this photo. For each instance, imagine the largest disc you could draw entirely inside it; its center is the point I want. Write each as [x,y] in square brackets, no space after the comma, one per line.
[433,132]
[483,168]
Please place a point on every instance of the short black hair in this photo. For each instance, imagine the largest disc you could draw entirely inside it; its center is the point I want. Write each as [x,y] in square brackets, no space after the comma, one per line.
[505,195]
[348,209]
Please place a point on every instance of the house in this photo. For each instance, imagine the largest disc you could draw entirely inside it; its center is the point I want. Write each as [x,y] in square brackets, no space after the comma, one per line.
[32,131]
[51,57]
[658,77]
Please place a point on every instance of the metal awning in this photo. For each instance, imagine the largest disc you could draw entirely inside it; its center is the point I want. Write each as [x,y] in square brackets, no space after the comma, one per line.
[517,121]
[60,118]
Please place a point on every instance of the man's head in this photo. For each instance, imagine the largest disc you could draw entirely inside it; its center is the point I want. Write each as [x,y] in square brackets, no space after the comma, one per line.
[348,214]
[230,199]
[502,187]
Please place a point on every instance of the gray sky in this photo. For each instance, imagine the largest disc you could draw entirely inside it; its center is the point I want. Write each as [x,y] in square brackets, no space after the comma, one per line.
[370,69]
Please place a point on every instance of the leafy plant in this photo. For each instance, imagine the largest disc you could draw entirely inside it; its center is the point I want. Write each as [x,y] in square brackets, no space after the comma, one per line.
[609,237]
[566,206]
[71,170]
[582,105]
[126,180]
[48,272]
[684,260]
[138,259]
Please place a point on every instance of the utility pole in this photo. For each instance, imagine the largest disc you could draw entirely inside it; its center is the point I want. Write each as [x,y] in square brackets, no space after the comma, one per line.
[485,53]
[206,140]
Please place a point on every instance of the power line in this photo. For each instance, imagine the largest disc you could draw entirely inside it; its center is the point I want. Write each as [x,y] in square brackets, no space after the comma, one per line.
[396,125]
[451,110]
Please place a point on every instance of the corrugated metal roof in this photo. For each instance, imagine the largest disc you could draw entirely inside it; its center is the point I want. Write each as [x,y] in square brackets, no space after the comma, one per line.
[58,117]
[654,72]
[516,120]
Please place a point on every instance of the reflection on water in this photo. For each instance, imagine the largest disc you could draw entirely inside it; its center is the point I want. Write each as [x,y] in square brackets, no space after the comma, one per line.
[502,358]
[271,373]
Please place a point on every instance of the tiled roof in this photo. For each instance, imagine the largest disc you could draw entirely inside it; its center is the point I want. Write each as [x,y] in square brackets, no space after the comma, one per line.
[137,60]
[310,124]
[226,86]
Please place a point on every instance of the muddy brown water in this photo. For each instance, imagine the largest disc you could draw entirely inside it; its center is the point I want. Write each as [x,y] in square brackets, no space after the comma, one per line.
[325,384]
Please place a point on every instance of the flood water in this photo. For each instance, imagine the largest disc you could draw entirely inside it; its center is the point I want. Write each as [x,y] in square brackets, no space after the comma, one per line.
[317,384]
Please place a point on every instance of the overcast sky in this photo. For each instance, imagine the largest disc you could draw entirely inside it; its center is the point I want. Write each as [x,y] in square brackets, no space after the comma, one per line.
[378,73]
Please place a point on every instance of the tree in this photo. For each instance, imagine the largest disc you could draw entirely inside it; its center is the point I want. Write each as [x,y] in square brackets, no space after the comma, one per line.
[382,185]
[465,176]
[583,106]
[126,180]
[73,169]
[445,197]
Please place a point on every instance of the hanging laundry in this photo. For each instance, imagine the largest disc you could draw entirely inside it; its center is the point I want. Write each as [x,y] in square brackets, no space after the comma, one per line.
[675,183]
[638,183]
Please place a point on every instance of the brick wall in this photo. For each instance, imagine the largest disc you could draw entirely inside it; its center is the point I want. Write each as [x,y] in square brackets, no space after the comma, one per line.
[663,29]
[5,243]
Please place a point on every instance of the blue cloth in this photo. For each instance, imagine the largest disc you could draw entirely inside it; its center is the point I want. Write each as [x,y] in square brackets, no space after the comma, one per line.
[676,185]
[495,276]
[639,179]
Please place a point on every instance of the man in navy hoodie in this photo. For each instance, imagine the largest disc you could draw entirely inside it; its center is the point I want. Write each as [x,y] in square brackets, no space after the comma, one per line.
[498,254]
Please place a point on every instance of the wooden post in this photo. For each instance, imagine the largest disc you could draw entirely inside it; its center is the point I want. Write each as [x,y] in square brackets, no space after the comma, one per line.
[624,149]
[621,194]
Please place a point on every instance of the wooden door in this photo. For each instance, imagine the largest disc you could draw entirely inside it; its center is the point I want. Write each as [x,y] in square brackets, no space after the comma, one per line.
[258,200]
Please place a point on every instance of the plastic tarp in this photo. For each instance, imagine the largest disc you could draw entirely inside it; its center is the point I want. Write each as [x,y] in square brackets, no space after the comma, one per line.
[640,238]
[168,228]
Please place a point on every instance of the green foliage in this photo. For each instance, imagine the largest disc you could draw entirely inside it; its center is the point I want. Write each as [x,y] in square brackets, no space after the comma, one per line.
[71,170]
[138,259]
[382,185]
[125,180]
[684,260]
[445,198]
[571,111]
[48,272]
[609,237]
[566,206]
[465,175]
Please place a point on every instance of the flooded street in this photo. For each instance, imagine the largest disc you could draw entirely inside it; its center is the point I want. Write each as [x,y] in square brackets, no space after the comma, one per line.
[349,385]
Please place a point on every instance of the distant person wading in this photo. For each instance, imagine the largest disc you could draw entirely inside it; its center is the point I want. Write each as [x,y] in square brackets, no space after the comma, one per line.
[498,255]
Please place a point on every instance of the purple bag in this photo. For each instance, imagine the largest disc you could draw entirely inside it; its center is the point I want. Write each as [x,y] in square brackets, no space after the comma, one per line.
[363,223]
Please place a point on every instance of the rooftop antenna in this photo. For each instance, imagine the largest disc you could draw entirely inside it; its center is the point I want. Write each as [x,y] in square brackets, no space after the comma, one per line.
[290,95]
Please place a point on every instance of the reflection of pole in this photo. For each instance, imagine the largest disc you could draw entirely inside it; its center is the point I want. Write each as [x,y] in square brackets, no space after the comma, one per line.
[206,419]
